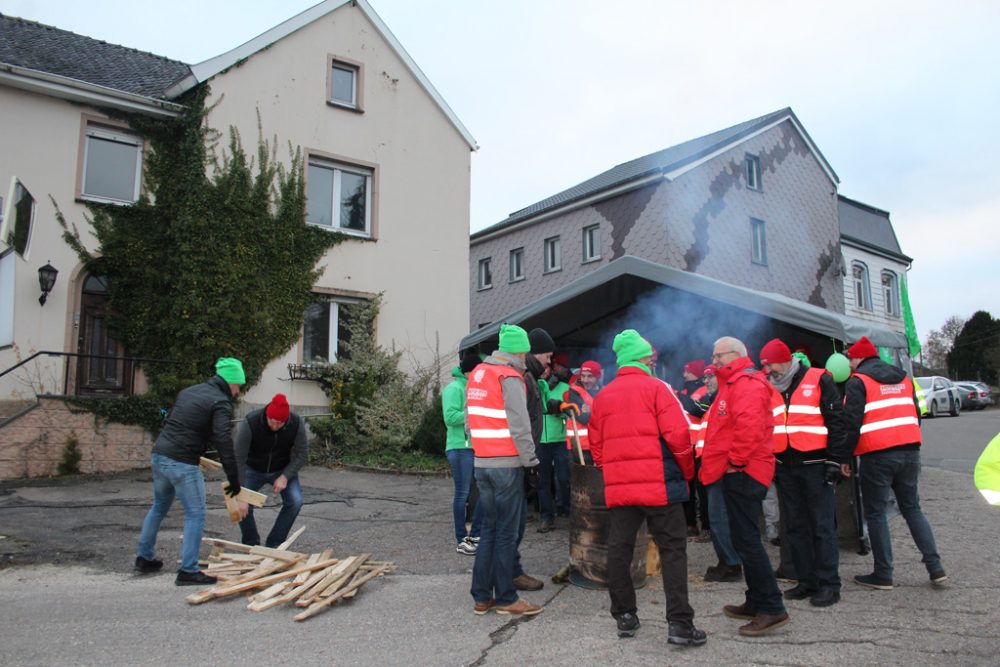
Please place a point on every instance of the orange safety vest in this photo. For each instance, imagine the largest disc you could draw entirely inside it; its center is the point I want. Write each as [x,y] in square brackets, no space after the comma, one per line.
[697,431]
[699,393]
[800,424]
[489,430]
[890,416]
[581,429]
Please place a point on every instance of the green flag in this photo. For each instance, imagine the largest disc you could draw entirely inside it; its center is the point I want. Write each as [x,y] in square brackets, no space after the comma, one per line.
[911,329]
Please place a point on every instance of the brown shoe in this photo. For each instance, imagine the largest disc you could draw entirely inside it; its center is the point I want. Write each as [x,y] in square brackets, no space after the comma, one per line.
[522,607]
[739,611]
[481,608]
[526,583]
[763,624]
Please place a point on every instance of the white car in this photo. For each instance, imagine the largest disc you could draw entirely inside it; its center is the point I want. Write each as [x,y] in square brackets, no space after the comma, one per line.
[941,395]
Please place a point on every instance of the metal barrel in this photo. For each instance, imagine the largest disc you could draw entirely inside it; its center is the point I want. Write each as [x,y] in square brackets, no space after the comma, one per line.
[589,526]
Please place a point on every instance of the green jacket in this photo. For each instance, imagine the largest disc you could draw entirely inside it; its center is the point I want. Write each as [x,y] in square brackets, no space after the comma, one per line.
[453,406]
[553,424]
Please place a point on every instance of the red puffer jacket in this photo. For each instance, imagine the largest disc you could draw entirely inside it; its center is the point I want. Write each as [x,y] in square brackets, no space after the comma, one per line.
[639,437]
[740,425]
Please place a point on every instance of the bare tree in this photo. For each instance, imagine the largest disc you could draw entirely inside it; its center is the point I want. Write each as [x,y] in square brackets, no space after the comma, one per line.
[940,341]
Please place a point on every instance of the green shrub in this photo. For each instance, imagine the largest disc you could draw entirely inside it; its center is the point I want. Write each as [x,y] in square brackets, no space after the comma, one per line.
[71,456]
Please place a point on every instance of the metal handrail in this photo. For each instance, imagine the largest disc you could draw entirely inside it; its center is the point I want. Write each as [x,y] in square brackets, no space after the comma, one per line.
[52,353]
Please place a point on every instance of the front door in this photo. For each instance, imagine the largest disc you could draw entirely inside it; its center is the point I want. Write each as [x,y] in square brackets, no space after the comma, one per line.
[96,372]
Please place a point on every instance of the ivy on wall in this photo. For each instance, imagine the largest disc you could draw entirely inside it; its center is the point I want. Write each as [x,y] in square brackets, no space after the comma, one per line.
[214,260]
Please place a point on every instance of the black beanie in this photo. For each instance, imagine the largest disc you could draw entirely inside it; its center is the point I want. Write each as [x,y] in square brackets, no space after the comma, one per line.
[468,361]
[541,341]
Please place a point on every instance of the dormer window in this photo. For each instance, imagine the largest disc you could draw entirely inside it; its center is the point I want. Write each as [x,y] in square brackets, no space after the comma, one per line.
[344,83]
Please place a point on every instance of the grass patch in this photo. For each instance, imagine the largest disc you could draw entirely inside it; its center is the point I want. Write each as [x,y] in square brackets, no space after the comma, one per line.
[402,462]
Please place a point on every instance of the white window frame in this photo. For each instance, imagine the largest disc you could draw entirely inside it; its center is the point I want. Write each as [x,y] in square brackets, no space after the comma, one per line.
[119,136]
[355,71]
[338,169]
[890,293]
[591,243]
[6,297]
[758,241]
[861,280]
[753,175]
[516,265]
[552,253]
[484,274]
[333,341]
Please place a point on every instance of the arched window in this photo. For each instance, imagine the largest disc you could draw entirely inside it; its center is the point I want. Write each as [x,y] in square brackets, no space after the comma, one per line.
[862,286]
[890,293]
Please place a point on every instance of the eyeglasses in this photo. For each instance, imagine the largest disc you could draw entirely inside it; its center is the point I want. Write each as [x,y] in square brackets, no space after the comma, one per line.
[719,355]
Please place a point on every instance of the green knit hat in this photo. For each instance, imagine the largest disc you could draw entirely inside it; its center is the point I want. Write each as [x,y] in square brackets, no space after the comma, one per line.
[630,346]
[230,370]
[514,339]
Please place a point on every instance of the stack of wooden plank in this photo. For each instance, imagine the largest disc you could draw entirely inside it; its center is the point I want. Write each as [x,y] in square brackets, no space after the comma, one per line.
[273,577]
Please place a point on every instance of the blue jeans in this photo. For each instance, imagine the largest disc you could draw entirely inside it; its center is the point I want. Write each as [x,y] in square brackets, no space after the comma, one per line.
[462,462]
[553,462]
[744,496]
[501,493]
[810,515]
[719,520]
[897,471]
[291,503]
[173,478]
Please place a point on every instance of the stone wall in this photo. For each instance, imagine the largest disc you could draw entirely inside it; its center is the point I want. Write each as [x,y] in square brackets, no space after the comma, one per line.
[33,444]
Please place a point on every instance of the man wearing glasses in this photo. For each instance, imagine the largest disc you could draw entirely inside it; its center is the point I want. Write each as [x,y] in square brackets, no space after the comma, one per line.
[738,451]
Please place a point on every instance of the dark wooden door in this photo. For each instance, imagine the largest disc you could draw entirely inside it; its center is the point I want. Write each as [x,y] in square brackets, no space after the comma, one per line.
[96,375]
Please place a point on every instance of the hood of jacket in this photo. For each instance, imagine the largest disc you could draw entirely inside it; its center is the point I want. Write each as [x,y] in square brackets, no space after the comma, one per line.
[880,371]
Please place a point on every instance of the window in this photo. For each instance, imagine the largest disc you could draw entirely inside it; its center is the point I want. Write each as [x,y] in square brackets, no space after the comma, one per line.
[890,292]
[19,231]
[327,330]
[516,265]
[591,243]
[862,288]
[553,255]
[344,83]
[753,172]
[6,298]
[340,197]
[485,279]
[758,241]
[112,165]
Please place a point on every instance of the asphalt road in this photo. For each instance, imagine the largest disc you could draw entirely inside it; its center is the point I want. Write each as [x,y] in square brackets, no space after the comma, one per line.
[954,443]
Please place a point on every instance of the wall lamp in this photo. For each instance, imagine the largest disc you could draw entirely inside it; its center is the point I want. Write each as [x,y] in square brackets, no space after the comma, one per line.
[46,279]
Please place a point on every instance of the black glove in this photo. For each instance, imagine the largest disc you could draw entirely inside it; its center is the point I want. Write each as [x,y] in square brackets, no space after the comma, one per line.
[831,473]
[234,488]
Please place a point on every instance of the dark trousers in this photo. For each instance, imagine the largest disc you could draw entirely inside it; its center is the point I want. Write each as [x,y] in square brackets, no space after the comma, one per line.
[667,527]
[809,509]
[744,496]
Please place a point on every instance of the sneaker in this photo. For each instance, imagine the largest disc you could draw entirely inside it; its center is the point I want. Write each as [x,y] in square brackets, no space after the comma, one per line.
[938,577]
[763,624]
[739,611]
[731,573]
[799,592]
[522,607]
[526,583]
[467,547]
[147,565]
[825,597]
[198,578]
[474,540]
[871,581]
[480,608]
[686,635]
[546,526]
[628,623]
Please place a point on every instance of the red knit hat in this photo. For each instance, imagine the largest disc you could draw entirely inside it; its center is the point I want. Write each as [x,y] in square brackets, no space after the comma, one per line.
[277,409]
[695,367]
[775,352]
[862,349]
[592,366]
[710,370]
[561,358]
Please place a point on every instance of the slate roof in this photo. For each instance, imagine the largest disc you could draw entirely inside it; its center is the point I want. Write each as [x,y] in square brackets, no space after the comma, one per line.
[869,226]
[47,49]
[665,160]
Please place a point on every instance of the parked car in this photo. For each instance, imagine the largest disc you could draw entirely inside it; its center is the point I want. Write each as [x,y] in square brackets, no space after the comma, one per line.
[984,395]
[941,395]
[969,394]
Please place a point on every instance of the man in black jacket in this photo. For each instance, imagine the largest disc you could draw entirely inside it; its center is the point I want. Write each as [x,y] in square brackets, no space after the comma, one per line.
[271,448]
[202,414]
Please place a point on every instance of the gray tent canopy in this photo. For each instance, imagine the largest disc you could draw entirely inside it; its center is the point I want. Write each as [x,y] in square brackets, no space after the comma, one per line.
[684,311]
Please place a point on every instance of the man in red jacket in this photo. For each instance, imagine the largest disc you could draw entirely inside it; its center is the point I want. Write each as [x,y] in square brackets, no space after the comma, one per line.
[739,451]
[639,438]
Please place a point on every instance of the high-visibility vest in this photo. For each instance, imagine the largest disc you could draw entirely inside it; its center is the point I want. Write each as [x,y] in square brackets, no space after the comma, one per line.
[697,430]
[921,399]
[800,424]
[890,416]
[581,429]
[489,430]
[699,394]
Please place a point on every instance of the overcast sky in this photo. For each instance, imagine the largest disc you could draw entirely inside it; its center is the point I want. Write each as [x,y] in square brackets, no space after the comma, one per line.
[901,97]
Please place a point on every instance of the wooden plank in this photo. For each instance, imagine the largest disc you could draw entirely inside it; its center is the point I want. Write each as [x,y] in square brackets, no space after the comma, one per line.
[311,560]
[323,603]
[208,465]
[291,538]
[254,498]
[231,506]
[292,593]
[347,567]
[280,554]
[263,582]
